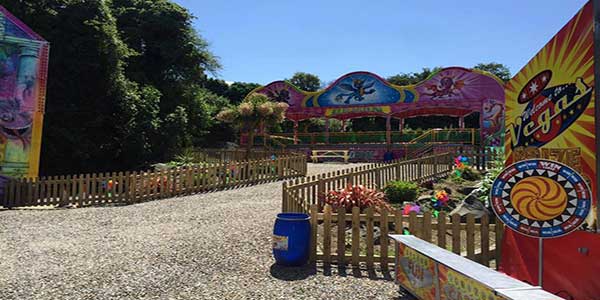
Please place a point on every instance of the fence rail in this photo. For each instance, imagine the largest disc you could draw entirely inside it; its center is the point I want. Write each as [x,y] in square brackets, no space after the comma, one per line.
[134,187]
[350,237]
[329,228]
[300,194]
[224,155]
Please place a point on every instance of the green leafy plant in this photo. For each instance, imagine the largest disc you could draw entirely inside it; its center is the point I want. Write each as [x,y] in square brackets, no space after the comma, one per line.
[468,173]
[357,195]
[401,191]
[255,111]
[486,183]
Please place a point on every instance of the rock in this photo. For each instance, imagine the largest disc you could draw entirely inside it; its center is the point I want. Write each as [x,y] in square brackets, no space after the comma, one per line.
[471,205]
[424,198]
[160,167]
[466,190]
[230,145]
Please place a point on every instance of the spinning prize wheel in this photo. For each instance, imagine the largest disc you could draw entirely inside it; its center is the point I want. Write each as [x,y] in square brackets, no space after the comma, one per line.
[541,198]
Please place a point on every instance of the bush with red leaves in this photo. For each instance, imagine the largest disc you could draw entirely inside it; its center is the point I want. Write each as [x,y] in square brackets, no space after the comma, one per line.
[360,196]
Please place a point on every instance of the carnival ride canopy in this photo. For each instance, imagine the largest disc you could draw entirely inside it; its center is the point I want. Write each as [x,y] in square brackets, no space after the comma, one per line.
[452,91]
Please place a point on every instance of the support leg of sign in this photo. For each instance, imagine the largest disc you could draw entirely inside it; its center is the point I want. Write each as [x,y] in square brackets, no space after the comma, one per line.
[596,4]
[540,261]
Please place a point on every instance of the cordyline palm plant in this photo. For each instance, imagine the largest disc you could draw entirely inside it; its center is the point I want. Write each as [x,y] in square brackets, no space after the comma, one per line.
[357,195]
[254,111]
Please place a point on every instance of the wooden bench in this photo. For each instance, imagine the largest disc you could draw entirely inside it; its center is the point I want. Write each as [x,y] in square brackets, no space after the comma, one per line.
[316,154]
[430,272]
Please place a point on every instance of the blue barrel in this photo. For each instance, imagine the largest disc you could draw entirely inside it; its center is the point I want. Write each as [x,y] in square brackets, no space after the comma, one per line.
[291,239]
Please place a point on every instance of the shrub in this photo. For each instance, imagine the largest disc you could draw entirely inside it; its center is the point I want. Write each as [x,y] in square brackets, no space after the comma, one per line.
[468,173]
[401,191]
[359,196]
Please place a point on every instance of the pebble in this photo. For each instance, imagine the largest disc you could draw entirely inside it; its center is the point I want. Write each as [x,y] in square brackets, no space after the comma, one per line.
[209,246]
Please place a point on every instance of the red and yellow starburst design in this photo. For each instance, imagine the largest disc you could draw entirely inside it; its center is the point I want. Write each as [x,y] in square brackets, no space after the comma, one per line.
[567,61]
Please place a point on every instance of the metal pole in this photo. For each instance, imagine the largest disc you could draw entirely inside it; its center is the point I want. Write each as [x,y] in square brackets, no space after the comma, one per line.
[540,261]
[596,6]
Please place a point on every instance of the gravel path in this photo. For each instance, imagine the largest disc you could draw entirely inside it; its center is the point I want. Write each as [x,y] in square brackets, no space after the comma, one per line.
[208,246]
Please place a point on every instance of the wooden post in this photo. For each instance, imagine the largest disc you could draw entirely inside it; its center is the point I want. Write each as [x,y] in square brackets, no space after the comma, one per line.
[327,234]
[321,191]
[284,197]
[279,168]
[419,170]
[456,234]
[341,236]
[435,167]
[313,232]
[485,241]
[499,232]
[370,242]
[412,224]
[426,226]
[441,230]
[383,239]
[470,237]
[355,235]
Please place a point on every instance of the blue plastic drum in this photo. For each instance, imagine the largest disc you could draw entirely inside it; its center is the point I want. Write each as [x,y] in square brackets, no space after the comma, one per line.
[291,239]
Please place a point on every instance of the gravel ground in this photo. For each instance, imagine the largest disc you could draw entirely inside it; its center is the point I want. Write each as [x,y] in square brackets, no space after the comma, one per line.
[208,246]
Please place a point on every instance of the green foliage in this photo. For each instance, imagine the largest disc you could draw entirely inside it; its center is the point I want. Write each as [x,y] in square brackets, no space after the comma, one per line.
[412,78]
[401,191]
[239,90]
[305,81]
[255,110]
[126,83]
[500,70]
[357,196]
[486,183]
[468,173]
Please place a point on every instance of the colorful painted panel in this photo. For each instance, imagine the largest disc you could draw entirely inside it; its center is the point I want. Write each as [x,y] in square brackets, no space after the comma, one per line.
[456,286]
[359,88]
[541,198]
[550,102]
[416,273]
[452,91]
[23,68]
[458,84]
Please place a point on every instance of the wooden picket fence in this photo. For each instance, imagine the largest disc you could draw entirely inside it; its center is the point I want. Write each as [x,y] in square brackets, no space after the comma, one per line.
[301,193]
[224,155]
[331,242]
[308,195]
[134,187]
[479,158]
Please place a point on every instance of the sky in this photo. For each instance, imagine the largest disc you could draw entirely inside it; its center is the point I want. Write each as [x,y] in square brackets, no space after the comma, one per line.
[264,41]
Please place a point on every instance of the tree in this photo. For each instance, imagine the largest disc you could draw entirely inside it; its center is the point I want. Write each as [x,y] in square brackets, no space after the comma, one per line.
[412,78]
[239,90]
[305,81]
[500,70]
[170,56]
[130,92]
[217,86]
[88,96]
[256,110]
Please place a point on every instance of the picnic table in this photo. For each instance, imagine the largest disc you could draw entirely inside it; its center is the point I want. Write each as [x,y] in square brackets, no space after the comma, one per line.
[316,154]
